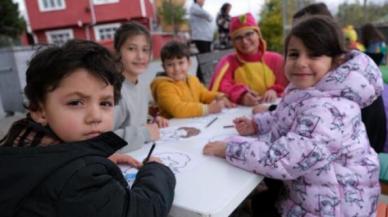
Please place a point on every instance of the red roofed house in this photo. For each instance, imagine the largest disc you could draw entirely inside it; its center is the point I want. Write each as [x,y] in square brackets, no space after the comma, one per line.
[56,21]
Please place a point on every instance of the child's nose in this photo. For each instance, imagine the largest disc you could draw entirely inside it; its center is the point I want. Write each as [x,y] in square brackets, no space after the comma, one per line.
[246,39]
[140,53]
[93,115]
[176,67]
[301,61]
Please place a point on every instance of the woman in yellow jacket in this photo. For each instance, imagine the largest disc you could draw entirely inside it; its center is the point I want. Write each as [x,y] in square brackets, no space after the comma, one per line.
[180,95]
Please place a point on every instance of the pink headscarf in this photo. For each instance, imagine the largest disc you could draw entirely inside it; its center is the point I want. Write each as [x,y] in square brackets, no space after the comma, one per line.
[243,22]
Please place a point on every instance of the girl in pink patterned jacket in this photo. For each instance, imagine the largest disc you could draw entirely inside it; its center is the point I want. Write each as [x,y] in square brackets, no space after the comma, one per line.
[315,141]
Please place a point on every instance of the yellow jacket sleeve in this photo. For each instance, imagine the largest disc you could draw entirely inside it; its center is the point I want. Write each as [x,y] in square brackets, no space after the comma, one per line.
[205,95]
[179,99]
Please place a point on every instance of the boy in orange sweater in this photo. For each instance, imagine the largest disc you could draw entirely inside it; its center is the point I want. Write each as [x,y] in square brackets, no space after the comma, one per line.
[180,95]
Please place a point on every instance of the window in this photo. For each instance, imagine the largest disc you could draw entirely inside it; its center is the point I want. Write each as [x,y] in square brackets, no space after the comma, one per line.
[106,31]
[59,37]
[51,5]
[100,2]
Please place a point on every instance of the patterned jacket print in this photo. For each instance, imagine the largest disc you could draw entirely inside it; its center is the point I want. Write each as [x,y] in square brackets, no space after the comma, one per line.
[316,143]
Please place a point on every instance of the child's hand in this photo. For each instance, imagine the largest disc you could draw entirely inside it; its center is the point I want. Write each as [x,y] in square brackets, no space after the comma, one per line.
[245,126]
[259,108]
[154,131]
[215,107]
[269,96]
[227,102]
[125,159]
[161,121]
[216,148]
[250,99]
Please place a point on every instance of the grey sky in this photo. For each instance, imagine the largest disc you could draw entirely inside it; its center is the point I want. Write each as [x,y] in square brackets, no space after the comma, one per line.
[254,6]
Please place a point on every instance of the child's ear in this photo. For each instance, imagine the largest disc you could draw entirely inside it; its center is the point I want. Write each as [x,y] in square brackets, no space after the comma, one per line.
[39,116]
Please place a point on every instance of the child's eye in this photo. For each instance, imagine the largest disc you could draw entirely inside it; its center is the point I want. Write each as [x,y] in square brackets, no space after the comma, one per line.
[107,103]
[74,103]
[147,50]
[292,54]
[169,65]
[131,48]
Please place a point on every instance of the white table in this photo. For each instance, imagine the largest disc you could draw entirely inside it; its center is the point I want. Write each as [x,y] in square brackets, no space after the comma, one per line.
[213,188]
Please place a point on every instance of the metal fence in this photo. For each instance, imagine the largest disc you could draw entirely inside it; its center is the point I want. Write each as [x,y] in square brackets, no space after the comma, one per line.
[13,65]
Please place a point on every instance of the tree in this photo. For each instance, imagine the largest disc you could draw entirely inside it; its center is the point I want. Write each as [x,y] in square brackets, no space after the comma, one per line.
[271,25]
[172,14]
[357,14]
[12,24]
[350,14]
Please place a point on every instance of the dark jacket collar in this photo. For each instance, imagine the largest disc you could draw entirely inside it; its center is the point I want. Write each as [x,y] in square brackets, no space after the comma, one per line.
[22,169]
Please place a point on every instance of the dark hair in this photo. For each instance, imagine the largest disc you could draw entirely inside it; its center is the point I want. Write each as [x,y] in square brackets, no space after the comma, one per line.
[320,34]
[370,33]
[48,67]
[174,49]
[224,8]
[313,9]
[127,30]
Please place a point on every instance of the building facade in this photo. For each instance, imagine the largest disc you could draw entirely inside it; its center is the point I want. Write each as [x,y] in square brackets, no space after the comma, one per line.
[56,21]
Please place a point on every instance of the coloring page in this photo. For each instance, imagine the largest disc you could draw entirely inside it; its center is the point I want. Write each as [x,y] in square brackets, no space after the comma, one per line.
[173,134]
[178,161]
[222,136]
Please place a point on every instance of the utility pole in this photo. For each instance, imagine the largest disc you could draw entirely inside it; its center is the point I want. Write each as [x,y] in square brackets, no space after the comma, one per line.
[365,11]
[285,17]
[93,20]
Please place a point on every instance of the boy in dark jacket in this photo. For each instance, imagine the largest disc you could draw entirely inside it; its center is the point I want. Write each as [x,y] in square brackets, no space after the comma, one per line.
[59,160]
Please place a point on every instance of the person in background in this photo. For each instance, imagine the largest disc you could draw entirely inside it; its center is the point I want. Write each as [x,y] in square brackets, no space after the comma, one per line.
[374,42]
[180,95]
[351,38]
[201,30]
[222,21]
[251,75]
[312,9]
[132,43]
[373,116]
[59,160]
[315,141]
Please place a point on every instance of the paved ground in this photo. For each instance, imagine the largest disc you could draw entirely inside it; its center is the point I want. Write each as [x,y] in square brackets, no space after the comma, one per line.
[155,66]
